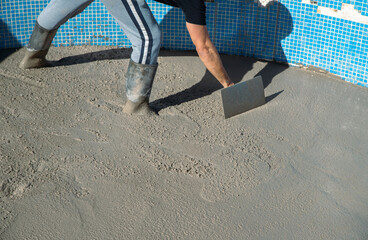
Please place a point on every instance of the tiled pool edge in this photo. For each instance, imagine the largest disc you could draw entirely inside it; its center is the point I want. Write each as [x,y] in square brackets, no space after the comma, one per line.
[288,31]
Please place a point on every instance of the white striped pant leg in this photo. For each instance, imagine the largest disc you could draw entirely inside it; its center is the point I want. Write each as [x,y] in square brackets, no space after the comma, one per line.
[138,23]
[57,12]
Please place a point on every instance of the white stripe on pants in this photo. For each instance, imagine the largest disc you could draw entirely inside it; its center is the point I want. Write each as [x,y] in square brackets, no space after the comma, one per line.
[134,17]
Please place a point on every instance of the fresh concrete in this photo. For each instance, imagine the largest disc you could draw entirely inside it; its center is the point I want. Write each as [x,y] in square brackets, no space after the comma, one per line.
[74,166]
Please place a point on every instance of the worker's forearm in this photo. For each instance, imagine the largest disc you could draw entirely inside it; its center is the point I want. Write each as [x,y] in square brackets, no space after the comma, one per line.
[208,53]
[213,63]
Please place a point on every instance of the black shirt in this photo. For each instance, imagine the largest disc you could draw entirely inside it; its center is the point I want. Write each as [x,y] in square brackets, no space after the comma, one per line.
[194,10]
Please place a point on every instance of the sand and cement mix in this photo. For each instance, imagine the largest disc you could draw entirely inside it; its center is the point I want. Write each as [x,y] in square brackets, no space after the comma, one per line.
[74,166]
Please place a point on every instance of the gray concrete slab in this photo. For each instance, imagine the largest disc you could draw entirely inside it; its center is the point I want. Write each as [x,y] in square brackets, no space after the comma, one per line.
[72,165]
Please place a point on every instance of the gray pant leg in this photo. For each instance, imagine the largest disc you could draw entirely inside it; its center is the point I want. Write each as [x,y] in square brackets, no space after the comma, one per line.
[138,23]
[134,16]
[57,12]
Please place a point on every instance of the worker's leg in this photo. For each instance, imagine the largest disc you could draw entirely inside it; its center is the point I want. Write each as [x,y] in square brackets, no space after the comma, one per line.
[138,23]
[56,13]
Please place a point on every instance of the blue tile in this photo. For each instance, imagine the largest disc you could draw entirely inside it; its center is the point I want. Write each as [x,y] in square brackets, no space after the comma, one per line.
[288,31]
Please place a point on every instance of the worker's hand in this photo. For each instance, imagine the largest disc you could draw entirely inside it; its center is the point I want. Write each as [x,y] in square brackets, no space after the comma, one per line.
[229,84]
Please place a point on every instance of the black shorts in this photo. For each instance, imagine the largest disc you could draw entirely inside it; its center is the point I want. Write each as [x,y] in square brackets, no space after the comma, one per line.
[194,10]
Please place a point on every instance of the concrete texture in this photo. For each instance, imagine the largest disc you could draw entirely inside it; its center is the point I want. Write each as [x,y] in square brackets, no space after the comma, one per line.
[74,166]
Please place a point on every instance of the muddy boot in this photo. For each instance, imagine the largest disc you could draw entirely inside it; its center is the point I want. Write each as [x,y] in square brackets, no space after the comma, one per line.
[37,48]
[139,80]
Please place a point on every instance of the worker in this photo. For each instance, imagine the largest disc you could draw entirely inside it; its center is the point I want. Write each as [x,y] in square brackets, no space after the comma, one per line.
[139,25]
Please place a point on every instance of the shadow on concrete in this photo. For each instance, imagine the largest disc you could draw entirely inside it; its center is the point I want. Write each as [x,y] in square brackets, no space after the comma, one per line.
[7,39]
[209,84]
[236,70]
[109,54]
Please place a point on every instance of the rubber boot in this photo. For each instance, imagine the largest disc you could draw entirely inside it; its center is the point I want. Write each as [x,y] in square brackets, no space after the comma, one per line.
[37,48]
[139,80]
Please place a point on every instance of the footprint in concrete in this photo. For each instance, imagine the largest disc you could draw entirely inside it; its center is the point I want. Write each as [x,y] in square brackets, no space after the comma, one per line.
[104,105]
[21,77]
[76,133]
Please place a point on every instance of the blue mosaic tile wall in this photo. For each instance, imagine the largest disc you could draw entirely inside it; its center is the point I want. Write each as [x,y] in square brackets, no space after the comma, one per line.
[289,31]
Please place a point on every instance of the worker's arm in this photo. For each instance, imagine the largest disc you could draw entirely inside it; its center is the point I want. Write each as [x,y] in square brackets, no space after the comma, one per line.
[208,53]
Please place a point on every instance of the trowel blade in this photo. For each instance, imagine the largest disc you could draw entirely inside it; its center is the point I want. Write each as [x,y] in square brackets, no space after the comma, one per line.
[243,96]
